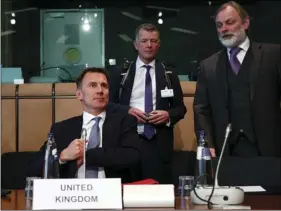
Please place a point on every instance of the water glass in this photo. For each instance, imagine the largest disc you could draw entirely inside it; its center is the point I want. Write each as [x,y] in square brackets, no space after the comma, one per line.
[185,187]
[29,191]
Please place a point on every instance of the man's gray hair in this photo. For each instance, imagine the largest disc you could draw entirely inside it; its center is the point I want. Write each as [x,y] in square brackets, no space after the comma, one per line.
[147,27]
[241,11]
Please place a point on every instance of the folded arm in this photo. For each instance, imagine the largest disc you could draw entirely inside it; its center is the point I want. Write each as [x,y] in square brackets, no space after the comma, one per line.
[177,108]
[201,107]
[122,156]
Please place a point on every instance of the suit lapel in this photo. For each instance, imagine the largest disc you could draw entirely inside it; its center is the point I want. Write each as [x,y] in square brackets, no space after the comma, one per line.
[254,68]
[107,128]
[75,130]
[160,82]
[77,127]
[221,72]
[128,85]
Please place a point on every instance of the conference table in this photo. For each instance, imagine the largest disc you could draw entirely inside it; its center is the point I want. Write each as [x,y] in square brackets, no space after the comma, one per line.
[16,201]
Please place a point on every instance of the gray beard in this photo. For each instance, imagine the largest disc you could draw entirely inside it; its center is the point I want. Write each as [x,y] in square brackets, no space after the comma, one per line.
[238,38]
[229,43]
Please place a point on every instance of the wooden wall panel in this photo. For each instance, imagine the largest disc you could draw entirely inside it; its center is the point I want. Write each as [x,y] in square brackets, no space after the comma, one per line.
[8,126]
[184,136]
[35,115]
[66,108]
[35,119]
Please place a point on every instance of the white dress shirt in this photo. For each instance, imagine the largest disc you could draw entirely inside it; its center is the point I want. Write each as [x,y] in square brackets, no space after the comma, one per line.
[138,93]
[244,48]
[88,123]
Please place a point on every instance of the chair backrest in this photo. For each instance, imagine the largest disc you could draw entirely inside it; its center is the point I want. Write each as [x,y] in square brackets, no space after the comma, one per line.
[14,167]
[184,164]
[8,74]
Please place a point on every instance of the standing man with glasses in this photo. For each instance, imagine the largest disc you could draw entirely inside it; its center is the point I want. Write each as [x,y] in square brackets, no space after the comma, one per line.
[241,85]
[155,99]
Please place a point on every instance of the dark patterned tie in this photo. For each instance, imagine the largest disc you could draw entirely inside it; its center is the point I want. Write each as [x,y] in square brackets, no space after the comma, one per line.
[148,128]
[234,62]
[94,141]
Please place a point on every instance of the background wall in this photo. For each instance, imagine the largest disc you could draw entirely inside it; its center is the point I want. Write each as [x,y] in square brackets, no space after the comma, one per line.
[183,50]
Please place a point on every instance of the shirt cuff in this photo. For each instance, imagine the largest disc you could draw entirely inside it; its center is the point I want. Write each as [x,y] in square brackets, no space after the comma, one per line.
[168,124]
[62,162]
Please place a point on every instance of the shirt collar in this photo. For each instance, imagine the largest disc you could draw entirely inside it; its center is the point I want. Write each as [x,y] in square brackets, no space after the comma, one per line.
[244,45]
[139,63]
[87,117]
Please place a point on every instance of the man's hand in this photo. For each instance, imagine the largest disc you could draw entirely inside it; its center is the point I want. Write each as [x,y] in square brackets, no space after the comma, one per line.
[140,115]
[74,150]
[213,152]
[158,117]
[79,162]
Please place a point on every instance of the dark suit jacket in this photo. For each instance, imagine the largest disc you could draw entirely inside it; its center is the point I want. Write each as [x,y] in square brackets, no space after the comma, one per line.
[175,105]
[118,155]
[210,103]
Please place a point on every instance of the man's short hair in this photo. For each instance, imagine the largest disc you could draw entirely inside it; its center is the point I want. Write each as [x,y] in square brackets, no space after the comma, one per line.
[241,11]
[147,27]
[91,70]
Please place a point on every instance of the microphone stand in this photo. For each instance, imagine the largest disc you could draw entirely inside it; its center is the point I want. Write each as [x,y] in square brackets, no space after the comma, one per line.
[46,160]
[227,132]
[84,137]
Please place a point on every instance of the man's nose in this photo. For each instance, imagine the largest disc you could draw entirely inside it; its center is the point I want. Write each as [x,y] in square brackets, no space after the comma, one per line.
[223,29]
[149,43]
[99,89]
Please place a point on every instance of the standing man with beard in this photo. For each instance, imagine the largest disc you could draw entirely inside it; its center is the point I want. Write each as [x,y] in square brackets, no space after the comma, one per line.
[141,93]
[241,85]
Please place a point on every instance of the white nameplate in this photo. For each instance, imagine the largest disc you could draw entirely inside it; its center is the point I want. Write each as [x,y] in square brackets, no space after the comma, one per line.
[18,81]
[148,196]
[55,194]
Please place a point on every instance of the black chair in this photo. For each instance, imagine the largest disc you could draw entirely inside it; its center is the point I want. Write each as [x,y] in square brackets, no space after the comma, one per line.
[184,164]
[250,171]
[13,169]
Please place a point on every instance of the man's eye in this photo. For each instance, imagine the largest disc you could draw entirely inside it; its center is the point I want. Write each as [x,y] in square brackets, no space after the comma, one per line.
[219,25]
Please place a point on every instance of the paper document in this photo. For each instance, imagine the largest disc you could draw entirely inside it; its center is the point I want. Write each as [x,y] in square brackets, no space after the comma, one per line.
[252,188]
[236,207]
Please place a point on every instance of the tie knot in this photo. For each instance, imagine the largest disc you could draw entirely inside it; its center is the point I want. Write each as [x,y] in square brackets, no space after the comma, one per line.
[97,119]
[147,67]
[234,51]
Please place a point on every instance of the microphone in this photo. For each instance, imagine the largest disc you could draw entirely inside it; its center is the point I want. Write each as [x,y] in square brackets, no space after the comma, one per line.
[218,195]
[46,166]
[84,137]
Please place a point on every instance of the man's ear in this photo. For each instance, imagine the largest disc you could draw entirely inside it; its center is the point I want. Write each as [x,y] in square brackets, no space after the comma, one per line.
[135,44]
[79,94]
[246,23]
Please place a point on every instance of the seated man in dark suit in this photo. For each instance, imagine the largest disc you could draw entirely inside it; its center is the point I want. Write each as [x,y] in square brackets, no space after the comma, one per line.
[113,145]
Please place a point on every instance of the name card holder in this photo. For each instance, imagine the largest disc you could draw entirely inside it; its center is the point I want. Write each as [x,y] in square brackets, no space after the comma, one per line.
[141,196]
[58,194]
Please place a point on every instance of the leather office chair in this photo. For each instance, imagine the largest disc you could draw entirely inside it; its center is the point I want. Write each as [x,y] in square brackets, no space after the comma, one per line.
[13,169]
[184,164]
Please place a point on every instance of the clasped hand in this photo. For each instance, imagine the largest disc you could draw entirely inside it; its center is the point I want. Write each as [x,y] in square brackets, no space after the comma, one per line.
[155,117]
[74,151]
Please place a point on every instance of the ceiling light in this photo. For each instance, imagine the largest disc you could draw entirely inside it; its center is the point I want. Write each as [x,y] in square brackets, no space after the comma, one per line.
[125,37]
[130,15]
[86,27]
[186,31]
[13,21]
[160,21]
